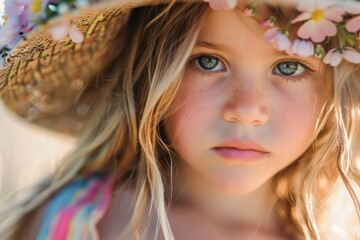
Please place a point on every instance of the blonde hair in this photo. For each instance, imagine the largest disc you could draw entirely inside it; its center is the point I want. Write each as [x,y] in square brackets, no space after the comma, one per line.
[308,190]
[124,132]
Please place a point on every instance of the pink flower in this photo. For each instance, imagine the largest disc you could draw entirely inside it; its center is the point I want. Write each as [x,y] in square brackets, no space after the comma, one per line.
[277,38]
[270,22]
[336,55]
[352,7]
[61,31]
[320,16]
[17,24]
[302,48]
[222,4]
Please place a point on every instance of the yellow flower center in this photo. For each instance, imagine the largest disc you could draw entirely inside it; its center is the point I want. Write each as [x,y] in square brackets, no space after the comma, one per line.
[317,16]
[3,20]
[36,6]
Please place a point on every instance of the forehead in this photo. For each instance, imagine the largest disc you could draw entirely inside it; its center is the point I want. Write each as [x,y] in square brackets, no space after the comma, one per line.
[242,22]
[234,30]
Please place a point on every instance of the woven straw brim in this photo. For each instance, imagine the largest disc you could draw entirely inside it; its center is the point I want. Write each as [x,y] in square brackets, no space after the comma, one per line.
[43,77]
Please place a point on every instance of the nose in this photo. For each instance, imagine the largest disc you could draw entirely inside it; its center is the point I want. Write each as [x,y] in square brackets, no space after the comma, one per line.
[246,103]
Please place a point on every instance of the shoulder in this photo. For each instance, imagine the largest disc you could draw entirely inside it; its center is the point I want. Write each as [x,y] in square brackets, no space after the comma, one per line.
[120,211]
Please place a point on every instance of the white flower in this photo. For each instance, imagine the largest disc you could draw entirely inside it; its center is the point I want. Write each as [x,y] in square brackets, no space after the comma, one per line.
[336,55]
[302,48]
[277,38]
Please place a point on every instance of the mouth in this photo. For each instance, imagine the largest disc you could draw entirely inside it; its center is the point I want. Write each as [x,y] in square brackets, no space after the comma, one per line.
[239,150]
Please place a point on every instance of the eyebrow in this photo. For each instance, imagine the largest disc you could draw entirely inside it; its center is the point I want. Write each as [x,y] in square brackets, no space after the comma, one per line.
[228,48]
[216,46]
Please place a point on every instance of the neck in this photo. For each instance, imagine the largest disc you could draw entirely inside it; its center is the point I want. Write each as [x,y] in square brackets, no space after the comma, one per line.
[254,210]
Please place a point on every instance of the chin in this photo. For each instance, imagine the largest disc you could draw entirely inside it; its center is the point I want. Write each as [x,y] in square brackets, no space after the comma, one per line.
[241,189]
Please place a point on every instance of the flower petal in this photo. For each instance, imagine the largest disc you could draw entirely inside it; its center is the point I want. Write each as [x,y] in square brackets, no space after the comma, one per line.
[289,50]
[295,45]
[323,4]
[334,13]
[353,25]
[282,42]
[231,4]
[329,55]
[335,58]
[307,29]
[75,35]
[216,4]
[352,7]
[12,9]
[23,2]
[351,55]
[327,27]
[306,6]
[271,34]
[322,29]
[61,31]
[302,17]
[305,49]
[24,18]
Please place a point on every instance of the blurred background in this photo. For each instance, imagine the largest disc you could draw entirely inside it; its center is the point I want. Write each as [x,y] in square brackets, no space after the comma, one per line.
[27,152]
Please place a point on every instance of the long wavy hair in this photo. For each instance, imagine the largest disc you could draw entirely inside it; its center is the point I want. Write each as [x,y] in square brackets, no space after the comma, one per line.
[124,133]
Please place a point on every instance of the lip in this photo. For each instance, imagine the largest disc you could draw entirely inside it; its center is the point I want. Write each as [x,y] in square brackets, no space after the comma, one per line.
[241,150]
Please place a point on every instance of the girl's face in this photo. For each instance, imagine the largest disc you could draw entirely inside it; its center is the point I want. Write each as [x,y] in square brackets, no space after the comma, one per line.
[245,111]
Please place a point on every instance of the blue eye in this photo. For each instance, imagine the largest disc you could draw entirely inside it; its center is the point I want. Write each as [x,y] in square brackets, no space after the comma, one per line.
[209,63]
[289,68]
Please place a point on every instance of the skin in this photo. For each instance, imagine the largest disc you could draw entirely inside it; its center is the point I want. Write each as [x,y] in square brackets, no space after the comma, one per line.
[245,98]
[241,98]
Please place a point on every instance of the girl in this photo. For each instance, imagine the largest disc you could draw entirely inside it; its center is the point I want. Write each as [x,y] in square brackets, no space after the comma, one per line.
[234,121]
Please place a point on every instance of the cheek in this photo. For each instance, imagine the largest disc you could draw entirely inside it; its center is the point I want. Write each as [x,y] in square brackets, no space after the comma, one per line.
[192,109]
[303,102]
[299,113]
[189,108]
[297,120]
[195,115]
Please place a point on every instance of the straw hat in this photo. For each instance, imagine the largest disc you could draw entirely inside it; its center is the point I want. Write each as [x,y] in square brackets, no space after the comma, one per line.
[43,78]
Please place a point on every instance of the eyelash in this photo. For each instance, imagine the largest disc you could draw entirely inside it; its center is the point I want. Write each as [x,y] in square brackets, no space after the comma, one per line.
[193,66]
[295,78]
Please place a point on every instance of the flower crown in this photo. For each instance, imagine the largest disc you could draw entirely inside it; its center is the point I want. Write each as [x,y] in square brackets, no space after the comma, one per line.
[323,21]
